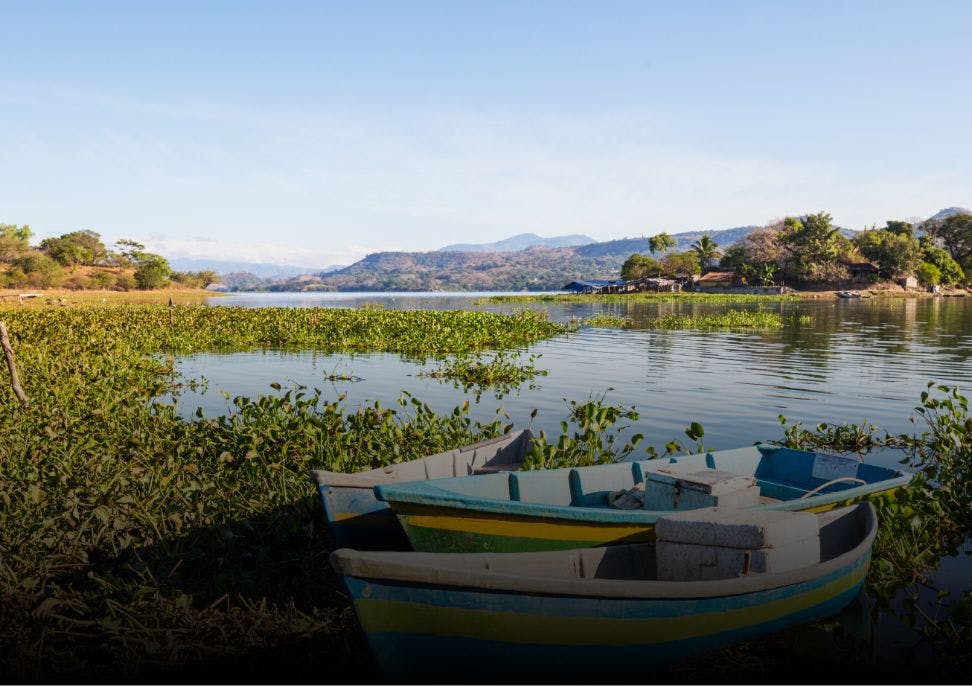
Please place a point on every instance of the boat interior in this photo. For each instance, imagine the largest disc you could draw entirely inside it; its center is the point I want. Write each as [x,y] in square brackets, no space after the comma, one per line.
[841,530]
[782,474]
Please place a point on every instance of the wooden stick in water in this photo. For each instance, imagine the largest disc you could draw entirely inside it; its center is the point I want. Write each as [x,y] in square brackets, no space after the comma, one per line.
[8,353]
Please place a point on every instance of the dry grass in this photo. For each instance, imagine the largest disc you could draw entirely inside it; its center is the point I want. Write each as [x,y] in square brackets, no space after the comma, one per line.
[65,297]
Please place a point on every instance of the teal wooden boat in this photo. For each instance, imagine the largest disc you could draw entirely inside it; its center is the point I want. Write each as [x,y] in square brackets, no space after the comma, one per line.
[558,509]
[595,614]
[356,519]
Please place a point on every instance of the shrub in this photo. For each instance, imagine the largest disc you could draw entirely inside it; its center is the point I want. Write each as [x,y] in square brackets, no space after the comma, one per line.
[929,274]
[153,272]
[124,282]
[40,270]
[102,280]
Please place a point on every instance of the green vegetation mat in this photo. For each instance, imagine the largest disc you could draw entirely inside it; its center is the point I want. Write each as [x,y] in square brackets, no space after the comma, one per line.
[135,540]
[136,544]
[731,319]
[639,297]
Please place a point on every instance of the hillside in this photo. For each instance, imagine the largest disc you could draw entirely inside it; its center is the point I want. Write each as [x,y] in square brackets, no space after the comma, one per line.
[498,268]
[535,269]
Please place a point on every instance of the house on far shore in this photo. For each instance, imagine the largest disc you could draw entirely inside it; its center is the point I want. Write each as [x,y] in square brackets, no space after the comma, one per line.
[863,271]
[714,281]
[907,282]
[594,286]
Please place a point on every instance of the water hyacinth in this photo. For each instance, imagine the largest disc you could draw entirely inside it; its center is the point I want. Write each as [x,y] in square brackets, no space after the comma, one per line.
[684,296]
[134,539]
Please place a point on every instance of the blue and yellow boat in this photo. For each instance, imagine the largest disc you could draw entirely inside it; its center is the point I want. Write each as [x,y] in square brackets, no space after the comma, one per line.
[559,509]
[356,519]
[591,614]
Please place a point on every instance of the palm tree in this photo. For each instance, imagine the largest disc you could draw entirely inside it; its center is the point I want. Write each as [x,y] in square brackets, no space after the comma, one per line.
[661,243]
[706,249]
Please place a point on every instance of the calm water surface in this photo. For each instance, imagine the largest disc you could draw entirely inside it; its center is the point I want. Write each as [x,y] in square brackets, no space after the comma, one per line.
[855,361]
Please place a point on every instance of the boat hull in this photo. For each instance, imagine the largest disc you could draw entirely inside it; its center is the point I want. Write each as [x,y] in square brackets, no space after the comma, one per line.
[459,530]
[421,632]
[357,519]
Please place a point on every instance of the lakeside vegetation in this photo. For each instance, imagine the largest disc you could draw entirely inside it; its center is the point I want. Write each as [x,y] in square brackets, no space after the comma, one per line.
[810,250]
[681,296]
[730,319]
[79,260]
[137,541]
[501,371]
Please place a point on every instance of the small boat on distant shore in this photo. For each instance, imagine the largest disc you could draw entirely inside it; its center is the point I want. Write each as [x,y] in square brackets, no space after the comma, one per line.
[849,294]
[558,509]
[356,519]
[595,615]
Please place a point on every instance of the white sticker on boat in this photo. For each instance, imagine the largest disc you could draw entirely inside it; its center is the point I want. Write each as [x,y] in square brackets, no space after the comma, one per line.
[829,467]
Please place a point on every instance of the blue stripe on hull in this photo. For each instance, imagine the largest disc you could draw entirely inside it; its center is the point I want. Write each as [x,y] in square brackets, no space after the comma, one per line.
[357,519]
[433,650]
[417,657]
[571,606]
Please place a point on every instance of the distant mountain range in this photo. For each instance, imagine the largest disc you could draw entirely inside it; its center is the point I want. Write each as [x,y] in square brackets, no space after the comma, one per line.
[520,241]
[948,212]
[262,270]
[492,266]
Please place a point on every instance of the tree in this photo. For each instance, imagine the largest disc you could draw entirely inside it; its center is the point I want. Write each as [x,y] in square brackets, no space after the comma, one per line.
[900,228]
[127,252]
[207,277]
[706,250]
[14,240]
[955,233]
[763,245]
[894,253]
[661,242]
[928,274]
[77,247]
[153,271]
[639,266]
[949,270]
[734,259]
[813,246]
[680,264]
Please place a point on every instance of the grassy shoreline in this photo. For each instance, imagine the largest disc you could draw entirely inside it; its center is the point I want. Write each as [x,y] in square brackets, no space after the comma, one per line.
[691,296]
[64,296]
[137,542]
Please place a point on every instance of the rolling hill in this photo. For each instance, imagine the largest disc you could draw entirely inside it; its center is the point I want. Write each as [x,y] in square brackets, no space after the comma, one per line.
[500,265]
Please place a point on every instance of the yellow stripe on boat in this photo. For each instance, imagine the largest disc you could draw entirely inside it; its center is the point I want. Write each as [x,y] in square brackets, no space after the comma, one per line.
[522,527]
[512,627]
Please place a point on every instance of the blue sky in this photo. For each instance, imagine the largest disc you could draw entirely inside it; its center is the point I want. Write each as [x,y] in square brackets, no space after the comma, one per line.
[313,133]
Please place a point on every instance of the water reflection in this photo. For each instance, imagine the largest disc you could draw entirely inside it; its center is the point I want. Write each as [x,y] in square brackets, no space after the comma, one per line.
[854,360]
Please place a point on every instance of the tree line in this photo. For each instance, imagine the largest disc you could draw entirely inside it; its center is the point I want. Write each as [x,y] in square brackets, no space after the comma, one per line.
[811,250]
[59,262]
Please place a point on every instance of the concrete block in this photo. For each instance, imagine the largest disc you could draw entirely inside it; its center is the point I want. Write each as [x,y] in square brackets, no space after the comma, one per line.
[702,488]
[691,562]
[731,528]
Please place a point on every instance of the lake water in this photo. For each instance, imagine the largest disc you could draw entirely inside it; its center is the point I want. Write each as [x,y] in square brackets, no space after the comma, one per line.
[856,360]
